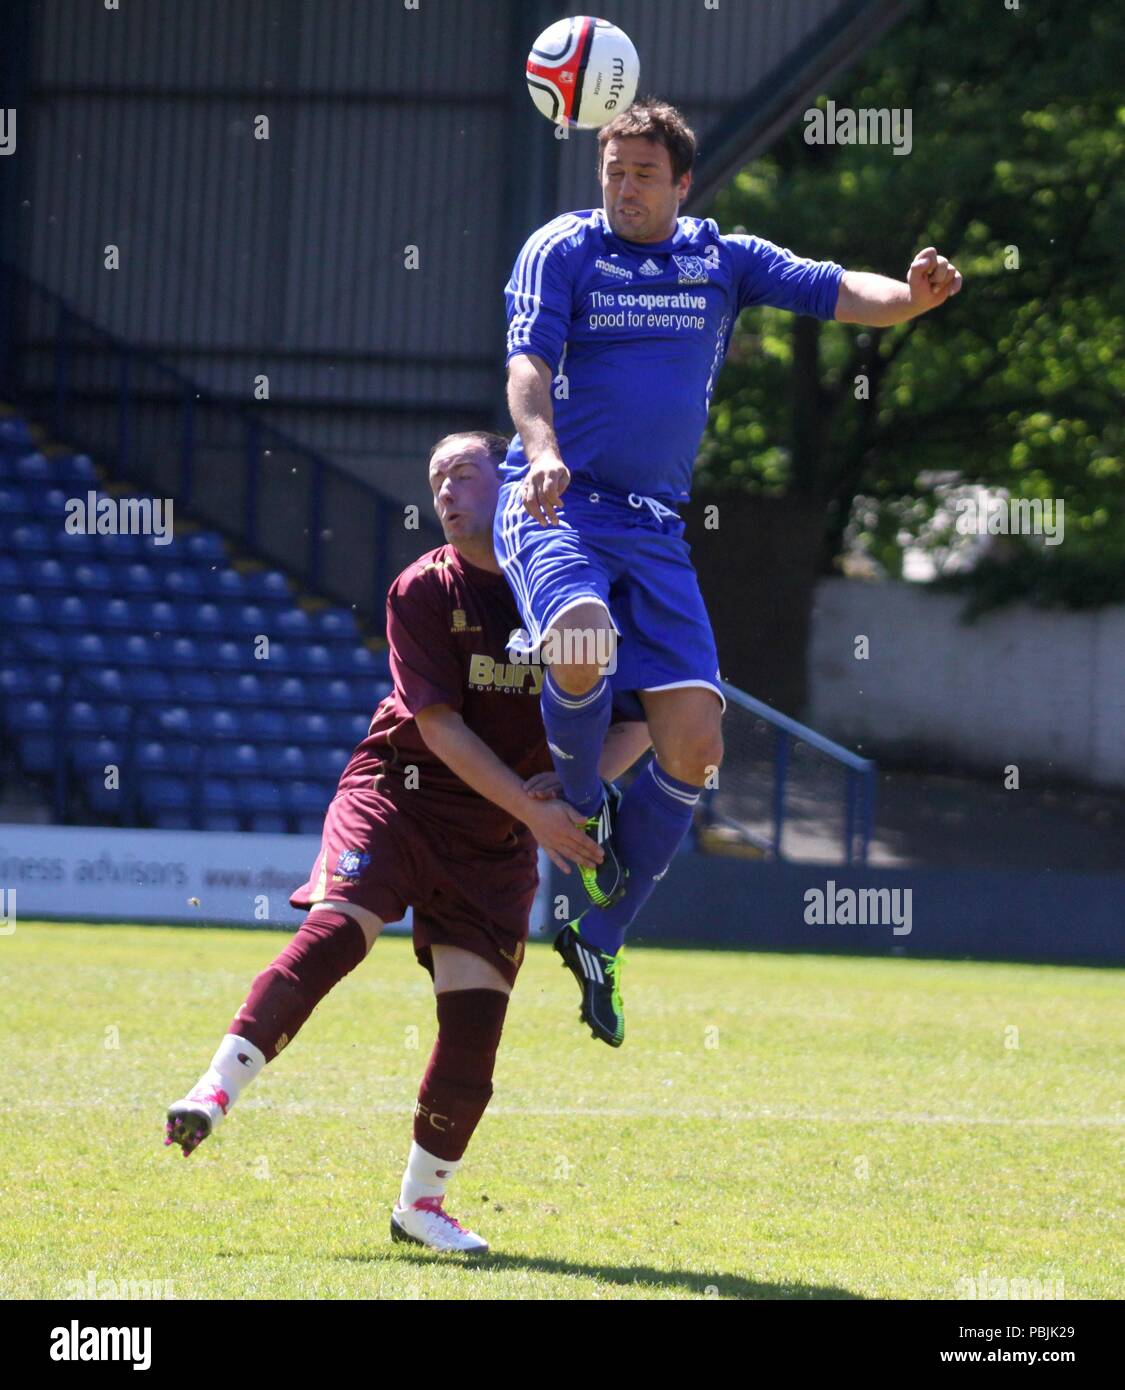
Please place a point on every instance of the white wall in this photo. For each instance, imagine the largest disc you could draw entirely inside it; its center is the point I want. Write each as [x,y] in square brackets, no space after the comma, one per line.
[1039,688]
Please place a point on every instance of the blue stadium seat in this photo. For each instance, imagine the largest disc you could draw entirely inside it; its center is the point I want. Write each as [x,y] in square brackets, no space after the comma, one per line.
[306,798]
[182,581]
[75,545]
[336,624]
[137,580]
[310,825]
[294,693]
[37,753]
[364,662]
[268,823]
[194,688]
[226,655]
[164,793]
[71,611]
[15,503]
[39,644]
[283,760]
[102,800]
[269,585]
[153,756]
[134,649]
[310,727]
[149,686]
[96,755]
[251,619]
[122,547]
[221,724]
[260,796]
[207,619]
[334,761]
[53,501]
[31,717]
[318,660]
[16,681]
[15,435]
[184,652]
[206,545]
[20,610]
[219,820]
[51,574]
[31,539]
[86,648]
[158,615]
[282,657]
[381,690]
[75,470]
[109,682]
[294,624]
[269,725]
[338,694]
[11,573]
[220,795]
[33,467]
[221,759]
[119,613]
[87,720]
[225,583]
[243,688]
[92,577]
[351,728]
[179,722]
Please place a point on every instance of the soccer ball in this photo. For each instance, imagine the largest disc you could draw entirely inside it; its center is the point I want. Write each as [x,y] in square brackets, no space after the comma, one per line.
[582,72]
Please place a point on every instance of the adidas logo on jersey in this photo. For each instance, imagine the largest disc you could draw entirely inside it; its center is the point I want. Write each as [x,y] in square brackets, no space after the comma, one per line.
[650,267]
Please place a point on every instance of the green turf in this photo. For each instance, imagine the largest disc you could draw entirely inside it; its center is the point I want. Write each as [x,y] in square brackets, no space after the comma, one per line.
[775,1126]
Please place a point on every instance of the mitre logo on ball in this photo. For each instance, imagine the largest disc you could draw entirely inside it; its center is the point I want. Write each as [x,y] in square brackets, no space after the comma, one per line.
[582,72]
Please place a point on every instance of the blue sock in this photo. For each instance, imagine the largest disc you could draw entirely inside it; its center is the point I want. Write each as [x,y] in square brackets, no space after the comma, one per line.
[576,727]
[655,815]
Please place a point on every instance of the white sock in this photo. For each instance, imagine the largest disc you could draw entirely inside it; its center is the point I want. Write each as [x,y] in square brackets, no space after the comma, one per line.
[236,1062]
[425,1175]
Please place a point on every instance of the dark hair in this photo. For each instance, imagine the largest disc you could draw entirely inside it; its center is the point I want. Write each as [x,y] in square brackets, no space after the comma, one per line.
[655,120]
[494,445]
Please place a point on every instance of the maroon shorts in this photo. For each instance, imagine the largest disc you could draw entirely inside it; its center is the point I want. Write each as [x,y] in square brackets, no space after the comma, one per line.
[474,896]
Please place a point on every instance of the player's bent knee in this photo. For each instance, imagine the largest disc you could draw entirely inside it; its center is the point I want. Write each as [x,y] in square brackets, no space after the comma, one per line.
[368,922]
[456,969]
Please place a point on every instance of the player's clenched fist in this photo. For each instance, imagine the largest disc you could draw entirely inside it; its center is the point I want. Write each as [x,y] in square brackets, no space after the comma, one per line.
[932,279]
[546,481]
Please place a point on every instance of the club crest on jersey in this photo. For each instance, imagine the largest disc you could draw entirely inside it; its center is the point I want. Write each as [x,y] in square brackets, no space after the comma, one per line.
[693,270]
[608,268]
[351,864]
[461,622]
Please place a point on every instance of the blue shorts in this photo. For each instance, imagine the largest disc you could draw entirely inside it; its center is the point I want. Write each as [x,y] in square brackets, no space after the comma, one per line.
[627,554]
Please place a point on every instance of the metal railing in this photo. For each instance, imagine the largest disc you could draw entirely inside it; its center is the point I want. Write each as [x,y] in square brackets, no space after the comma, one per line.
[222,462]
[787,790]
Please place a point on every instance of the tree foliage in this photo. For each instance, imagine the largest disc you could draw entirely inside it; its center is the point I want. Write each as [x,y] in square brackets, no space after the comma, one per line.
[1018,128]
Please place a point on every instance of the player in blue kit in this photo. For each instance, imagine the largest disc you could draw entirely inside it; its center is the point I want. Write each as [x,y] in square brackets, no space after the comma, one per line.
[619,319]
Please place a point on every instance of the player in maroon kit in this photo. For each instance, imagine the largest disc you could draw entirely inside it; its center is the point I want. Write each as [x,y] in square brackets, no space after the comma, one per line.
[439,808]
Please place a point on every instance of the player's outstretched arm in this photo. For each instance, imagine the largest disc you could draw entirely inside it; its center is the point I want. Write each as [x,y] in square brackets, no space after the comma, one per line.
[878,302]
[533,414]
[553,823]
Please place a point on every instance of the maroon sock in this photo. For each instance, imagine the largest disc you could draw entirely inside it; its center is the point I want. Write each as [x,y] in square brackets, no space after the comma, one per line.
[325,949]
[457,1085]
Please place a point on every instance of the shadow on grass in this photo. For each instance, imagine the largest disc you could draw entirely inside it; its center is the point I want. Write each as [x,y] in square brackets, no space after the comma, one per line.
[692,1284]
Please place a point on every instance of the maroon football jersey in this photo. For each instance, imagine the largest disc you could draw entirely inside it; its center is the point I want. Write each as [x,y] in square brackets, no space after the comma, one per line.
[448,624]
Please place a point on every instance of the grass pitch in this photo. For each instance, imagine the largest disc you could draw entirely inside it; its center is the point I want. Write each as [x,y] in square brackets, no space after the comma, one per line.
[774,1127]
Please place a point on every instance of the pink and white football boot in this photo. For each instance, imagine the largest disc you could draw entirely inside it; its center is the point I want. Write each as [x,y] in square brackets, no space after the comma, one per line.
[427,1223]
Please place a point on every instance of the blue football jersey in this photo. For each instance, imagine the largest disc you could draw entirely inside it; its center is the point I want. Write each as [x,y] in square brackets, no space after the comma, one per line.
[636,333]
